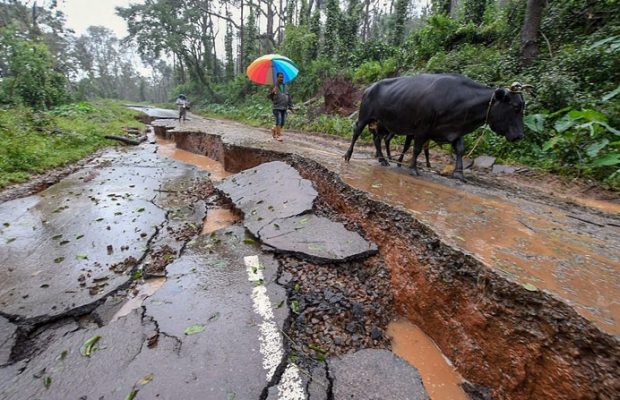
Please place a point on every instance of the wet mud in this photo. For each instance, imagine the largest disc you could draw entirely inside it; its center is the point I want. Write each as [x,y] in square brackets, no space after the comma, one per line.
[500,331]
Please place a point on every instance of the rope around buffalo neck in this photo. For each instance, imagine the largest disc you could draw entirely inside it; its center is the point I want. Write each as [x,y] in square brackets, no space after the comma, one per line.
[486,123]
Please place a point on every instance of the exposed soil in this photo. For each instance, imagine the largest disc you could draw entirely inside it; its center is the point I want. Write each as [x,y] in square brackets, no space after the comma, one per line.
[341,96]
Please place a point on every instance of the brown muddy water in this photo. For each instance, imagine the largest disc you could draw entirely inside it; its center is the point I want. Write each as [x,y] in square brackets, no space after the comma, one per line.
[440,378]
[167,148]
[218,218]
[145,289]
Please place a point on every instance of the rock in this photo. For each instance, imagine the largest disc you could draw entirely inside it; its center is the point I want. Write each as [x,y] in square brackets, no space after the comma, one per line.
[375,374]
[7,339]
[503,169]
[315,238]
[484,162]
[375,333]
[270,191]
[467,163]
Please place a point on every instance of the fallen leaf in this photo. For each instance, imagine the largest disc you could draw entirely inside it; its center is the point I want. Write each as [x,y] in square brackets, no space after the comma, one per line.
[81,257]
[58,260]
[141,209]
[56,237]
[9,240]
[530,287]
[146,379]
[89,346]
[193,329]
[303,221]
[47,381]
[78,237]
[248,241]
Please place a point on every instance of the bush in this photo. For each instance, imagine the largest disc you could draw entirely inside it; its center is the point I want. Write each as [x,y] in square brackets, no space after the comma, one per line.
[372,71]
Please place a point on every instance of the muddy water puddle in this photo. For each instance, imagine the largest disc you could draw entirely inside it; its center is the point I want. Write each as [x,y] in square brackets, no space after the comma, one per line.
[144,290]
[440,378]
[167,148]
[218,218]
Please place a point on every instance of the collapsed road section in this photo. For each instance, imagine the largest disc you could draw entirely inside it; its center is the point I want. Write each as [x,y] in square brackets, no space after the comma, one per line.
[511,318]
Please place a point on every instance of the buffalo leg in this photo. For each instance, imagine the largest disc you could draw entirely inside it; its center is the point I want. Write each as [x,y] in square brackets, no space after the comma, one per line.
[357,131]
[408,140]
[426,154]
[387,140]
[417,149]
[459,148]
[379,154]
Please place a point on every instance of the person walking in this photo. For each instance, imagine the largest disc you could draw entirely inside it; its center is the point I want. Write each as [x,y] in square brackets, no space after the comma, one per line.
[183,105]
[281,99]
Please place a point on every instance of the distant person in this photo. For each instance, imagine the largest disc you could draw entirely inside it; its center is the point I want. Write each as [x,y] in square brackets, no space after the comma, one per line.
[282,101]
[183,105]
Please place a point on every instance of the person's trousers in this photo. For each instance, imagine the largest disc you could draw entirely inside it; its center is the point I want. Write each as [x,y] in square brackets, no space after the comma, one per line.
[280,117]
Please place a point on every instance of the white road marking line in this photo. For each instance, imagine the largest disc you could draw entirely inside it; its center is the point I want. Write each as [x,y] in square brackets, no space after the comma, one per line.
[290,386]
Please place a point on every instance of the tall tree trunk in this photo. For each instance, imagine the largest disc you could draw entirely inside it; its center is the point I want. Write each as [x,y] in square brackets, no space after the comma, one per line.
[366,26]
[241,42]
[529,32]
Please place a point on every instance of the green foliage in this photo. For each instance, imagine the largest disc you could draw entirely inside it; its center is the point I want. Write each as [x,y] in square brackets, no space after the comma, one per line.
[34,141]
[30,77]
[372,71]
[473,10]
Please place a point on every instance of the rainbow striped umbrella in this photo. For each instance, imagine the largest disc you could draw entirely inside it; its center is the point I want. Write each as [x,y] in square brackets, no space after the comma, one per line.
[264,69]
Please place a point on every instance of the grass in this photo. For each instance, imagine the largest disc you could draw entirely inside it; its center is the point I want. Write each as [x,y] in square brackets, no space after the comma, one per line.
[34,142]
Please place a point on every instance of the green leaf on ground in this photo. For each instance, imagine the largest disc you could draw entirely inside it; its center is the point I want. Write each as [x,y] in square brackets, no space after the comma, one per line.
[141,209]
[295,306]
[56,237]
[78,237]
[81,257]
[303,221]
[529,287]
[58,260]
[132,395]
[89,346]
[9,240]
[193,329]
[248,241]
[63,355]
[47,382]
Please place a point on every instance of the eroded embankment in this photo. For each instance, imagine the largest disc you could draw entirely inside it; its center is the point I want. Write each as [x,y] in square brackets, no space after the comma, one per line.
[523,344]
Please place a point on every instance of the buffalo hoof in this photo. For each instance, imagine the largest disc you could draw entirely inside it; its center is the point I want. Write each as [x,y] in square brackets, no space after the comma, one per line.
[347,156]
[384,162]
[459,175]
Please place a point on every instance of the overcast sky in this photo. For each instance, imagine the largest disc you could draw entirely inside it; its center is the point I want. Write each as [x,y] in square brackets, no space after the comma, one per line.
[83,13]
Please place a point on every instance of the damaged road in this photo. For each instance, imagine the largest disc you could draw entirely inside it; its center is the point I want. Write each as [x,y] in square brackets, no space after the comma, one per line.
[108,267]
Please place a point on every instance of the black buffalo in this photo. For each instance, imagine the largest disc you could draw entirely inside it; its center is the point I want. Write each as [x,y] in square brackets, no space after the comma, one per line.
[438,107]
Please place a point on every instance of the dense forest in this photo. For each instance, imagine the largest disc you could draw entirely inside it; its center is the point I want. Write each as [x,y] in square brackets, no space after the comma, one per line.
[568,50]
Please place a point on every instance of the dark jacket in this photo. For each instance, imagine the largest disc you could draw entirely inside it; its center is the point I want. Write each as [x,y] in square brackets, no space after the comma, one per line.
[281,99]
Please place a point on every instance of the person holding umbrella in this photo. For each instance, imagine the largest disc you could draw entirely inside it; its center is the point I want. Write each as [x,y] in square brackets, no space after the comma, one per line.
[275,70]
[282,102]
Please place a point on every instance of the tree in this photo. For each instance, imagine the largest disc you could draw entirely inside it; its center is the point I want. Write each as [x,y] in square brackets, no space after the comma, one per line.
[398,29]
[29,73]
[251,40]
[474,10]
[529,32]
[315,28]
[330,45]
[228,49]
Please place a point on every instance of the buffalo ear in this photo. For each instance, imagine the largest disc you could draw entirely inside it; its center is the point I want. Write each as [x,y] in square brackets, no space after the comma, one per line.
[501,94]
